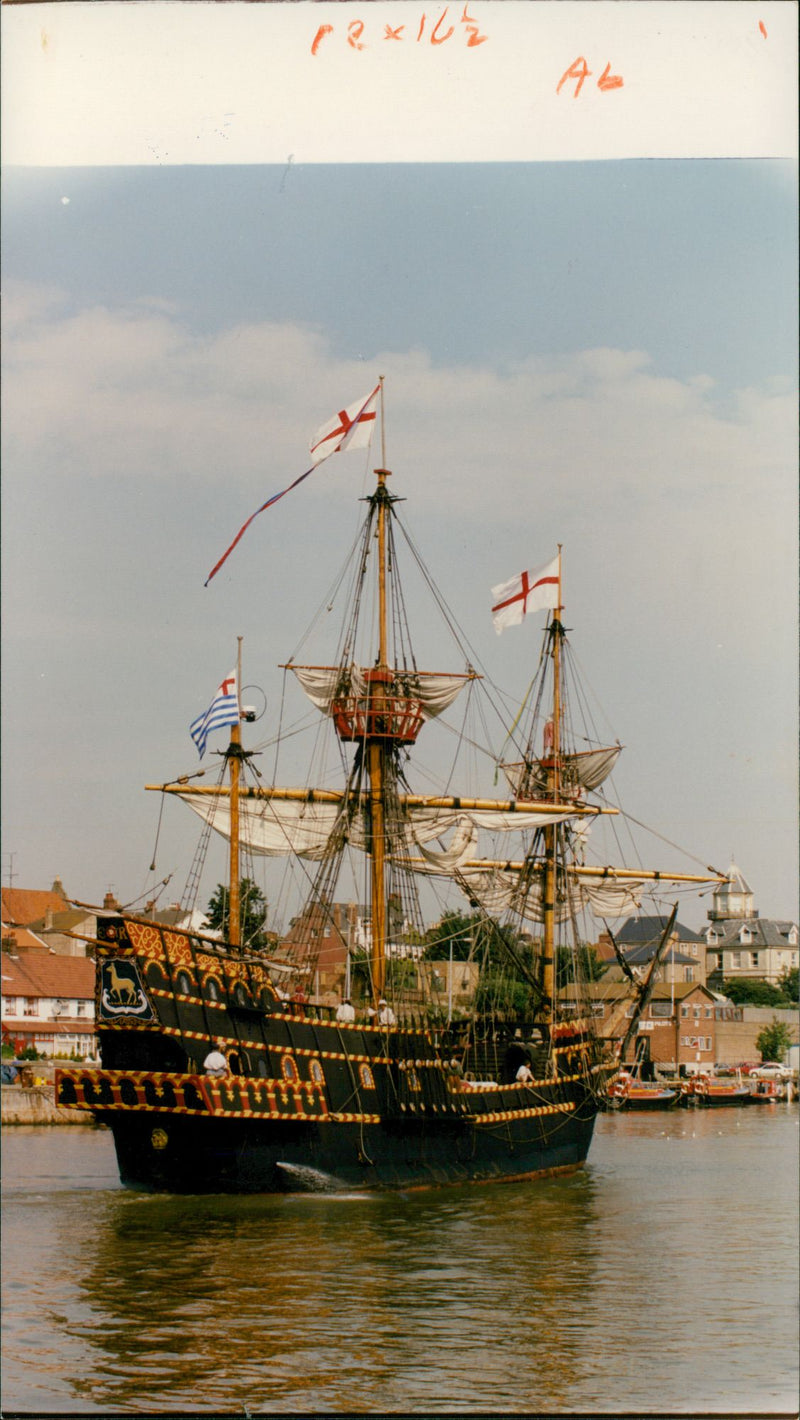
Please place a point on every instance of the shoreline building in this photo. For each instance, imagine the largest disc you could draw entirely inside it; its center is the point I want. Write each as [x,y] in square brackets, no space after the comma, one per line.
[742,944]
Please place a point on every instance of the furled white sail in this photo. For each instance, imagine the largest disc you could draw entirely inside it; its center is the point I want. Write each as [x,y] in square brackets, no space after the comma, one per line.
[271,828]
[498,889]
[277,827]
[325,684]
[587,768]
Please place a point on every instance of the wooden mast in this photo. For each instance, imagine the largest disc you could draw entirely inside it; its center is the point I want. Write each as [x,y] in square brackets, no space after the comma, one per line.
[376,748]
[554,793]
[235,761]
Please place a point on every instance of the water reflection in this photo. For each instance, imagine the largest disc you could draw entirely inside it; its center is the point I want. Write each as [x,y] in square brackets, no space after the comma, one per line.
[663,1278]
[331,1303]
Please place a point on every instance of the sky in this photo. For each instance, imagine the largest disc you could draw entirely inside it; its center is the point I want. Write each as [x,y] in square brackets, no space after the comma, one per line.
[595,353]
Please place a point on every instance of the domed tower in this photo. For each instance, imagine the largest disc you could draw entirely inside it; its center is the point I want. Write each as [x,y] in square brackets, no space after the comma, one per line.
[733,899]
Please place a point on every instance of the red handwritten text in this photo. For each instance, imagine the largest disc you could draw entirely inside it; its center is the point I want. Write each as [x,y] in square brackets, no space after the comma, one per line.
[431,30]
[579,72]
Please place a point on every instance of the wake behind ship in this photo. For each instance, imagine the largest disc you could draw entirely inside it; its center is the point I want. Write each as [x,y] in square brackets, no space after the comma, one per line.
[223,1071]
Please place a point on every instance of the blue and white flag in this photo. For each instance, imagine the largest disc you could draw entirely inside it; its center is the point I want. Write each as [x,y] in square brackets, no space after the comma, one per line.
[223,710]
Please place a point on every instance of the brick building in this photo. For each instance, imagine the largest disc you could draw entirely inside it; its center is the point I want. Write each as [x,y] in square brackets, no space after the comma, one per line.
[678,1028]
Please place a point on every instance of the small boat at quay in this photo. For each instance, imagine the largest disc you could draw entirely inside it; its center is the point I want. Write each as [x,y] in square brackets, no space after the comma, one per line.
[225,1068]
[627,1092]
[705,1092]
[770,1091]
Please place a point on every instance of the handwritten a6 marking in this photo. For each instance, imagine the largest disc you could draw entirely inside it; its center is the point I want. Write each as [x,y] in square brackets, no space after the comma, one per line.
[579,71]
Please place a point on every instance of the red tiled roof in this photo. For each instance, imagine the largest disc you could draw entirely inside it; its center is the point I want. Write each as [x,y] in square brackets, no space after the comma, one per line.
[26,905]
[24,939]
[34,975]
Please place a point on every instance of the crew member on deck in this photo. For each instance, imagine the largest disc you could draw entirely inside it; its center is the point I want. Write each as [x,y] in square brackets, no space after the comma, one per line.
[215,1062]
[386,1016]
[345,1012]
[524,1074]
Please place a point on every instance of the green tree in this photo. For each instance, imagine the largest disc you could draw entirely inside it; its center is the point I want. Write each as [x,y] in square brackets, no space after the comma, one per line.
[456,930]
[789,981]
[581,964]
[754,992]
[499,992]
[473,936]
[253,914]
[774,1040]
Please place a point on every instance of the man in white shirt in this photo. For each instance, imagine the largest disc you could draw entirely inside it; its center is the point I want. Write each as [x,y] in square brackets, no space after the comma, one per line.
[386,1016]
[524,1074]
[345,1012]
[215,1063]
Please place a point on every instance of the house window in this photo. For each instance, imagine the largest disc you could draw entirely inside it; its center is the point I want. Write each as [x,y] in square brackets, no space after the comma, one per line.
[713,937]
[745,936]
[31,1007]
[720,960]
[688,973]
[661,1008]
[754,959]
[80,1008]
[684,1013]
[9,1005]
[736,960]
[709,1010]
[693,949]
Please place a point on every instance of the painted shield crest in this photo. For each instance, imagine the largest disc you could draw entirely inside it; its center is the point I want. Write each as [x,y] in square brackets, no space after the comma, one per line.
[122,992]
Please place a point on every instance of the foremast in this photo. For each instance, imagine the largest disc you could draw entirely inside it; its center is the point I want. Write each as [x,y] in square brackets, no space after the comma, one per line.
[233,758]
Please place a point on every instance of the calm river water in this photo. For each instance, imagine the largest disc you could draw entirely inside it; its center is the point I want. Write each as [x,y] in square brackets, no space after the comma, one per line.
[663,1278]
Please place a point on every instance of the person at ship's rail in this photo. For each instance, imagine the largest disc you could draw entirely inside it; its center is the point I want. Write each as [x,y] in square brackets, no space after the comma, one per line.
[524,1074]
[215,1062]
[386,1016]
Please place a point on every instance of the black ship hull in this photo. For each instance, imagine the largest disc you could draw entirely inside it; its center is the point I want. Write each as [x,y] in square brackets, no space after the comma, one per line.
[308,1102]
[250,1156]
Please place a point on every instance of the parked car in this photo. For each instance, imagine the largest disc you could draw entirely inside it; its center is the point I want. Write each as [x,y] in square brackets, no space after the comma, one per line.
[770,1070]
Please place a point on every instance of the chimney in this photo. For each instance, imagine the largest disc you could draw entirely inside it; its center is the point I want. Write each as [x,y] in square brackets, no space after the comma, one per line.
[110,902]
[58,887]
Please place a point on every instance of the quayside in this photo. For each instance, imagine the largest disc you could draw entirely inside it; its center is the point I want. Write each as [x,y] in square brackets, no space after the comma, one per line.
[411,1081]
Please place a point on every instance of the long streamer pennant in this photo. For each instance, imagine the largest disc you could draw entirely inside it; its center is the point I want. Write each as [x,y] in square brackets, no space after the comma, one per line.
[351,428]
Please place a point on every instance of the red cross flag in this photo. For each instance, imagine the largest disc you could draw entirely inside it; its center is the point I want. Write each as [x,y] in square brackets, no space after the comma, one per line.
[529,591]
[351,428]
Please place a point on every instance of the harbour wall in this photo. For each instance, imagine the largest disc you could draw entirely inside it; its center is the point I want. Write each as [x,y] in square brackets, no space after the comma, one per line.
[36,1104]
[736,1040]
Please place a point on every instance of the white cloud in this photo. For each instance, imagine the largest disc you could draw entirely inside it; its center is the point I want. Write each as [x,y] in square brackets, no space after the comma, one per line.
[134,448]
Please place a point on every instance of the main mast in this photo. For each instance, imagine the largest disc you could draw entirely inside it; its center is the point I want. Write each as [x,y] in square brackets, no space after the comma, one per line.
[554,791]
[379,679]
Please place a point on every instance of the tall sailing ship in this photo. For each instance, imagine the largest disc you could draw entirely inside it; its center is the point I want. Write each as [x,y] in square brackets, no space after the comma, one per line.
[413,1081]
